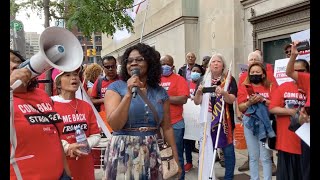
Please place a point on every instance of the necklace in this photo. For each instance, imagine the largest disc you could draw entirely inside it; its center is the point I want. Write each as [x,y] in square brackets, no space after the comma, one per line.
[75,108]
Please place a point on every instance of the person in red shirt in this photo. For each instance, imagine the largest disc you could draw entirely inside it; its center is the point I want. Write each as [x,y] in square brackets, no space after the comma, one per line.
[303,81]
[178,91]
[256,88]
[36,151]
[255,56]
[75,113]
[110,69]
[285,103]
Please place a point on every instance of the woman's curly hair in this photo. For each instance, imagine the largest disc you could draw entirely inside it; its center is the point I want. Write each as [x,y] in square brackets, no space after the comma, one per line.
[92,72]
[151,56]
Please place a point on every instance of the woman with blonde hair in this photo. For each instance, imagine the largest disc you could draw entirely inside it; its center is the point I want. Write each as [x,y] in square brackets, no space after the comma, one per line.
[210,111]
[91,74]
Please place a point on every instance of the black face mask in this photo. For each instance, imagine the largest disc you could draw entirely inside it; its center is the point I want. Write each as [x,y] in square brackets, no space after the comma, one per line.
[255,79]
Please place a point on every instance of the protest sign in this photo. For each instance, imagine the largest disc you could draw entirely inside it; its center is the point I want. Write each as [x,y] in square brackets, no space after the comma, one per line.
[243,68]
[304,133]
[280,67]
[302,36]
[191,114]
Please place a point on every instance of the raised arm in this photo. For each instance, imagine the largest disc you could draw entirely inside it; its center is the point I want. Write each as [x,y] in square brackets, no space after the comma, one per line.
[290,66]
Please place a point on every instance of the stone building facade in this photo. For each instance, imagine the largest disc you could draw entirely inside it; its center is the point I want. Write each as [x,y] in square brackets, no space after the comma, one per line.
[233,28]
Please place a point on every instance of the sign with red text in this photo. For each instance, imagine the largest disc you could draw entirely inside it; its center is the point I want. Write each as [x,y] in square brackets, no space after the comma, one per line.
[280,67]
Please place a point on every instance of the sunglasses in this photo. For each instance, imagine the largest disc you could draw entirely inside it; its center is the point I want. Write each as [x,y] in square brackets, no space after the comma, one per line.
[288,52]
[138,60]
[300,70]
[110,67]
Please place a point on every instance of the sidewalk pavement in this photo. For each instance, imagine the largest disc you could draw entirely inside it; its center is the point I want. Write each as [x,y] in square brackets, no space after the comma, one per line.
[241,157]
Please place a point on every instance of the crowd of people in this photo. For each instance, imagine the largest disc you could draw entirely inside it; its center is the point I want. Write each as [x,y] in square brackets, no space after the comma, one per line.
[46,147]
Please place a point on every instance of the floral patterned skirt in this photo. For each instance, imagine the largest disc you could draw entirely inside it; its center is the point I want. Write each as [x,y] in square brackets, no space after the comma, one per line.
[132,158]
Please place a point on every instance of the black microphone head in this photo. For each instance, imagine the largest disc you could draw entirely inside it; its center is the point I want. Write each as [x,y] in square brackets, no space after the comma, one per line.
[135,71]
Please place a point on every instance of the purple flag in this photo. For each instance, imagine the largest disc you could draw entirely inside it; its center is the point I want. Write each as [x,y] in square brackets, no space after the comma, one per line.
[216,113]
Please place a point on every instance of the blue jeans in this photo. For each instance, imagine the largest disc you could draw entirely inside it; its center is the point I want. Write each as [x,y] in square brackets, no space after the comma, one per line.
[256,150]
[229,160]
[178,136]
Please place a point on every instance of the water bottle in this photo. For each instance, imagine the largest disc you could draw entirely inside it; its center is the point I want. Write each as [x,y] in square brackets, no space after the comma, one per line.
[81,138]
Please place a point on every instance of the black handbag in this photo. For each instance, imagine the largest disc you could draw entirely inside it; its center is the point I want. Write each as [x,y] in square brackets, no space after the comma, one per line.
[270,143]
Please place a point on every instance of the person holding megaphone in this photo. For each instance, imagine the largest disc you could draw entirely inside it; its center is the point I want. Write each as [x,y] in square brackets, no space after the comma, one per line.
[36,150]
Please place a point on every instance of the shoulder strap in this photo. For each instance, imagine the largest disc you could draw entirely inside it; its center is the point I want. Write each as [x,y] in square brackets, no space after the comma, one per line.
[99,86]
[152,108]
[154,112]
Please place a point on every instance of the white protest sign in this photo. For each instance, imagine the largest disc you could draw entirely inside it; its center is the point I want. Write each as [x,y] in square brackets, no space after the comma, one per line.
[280,67]
[304,133]
[302,36]
[191,114]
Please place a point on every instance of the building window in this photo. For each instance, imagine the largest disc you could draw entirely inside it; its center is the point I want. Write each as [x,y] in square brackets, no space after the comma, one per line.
[273,49]
[272,30]
[98,59]
[97,39]
[80,38]
[90,59]
[99,48]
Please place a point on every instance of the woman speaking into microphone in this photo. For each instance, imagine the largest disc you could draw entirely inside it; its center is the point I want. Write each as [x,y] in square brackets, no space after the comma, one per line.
[133,152]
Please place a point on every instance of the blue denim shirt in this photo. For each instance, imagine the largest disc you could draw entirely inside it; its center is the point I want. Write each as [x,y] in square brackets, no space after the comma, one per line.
[259,121]
[140,115]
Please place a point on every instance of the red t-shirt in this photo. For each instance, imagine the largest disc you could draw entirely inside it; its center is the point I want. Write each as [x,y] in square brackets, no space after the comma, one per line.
[304,83]
[175,85]
[83,168]
[270,77]
[287,96]
[263,91]
[104,85]
[37,136]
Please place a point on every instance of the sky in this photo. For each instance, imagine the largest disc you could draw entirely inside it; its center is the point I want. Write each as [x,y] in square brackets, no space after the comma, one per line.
[33,23]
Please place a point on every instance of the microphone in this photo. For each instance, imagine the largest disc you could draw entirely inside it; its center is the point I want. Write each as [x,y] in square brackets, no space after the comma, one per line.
[135,72]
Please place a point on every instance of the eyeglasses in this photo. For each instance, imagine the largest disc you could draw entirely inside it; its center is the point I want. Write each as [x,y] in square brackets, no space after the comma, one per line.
[300,70]
[138,60]
[110,67]
[288,52]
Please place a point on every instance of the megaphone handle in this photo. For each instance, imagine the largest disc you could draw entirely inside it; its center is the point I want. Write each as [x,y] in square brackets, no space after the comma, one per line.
[16,84]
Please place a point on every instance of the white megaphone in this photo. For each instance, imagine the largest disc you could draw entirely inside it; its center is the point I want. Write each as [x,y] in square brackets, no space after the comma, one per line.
[59,49]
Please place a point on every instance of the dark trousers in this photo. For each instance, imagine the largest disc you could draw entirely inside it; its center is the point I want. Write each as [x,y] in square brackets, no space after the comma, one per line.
[230,161]
[178,136]
[189,145]
[288,166]
[305,161]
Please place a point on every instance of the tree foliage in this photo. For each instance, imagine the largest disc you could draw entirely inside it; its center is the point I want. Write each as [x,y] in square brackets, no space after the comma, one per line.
[88,15]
